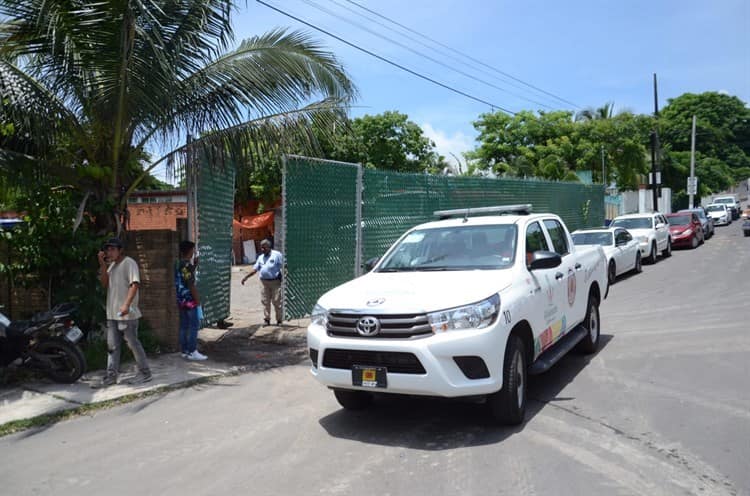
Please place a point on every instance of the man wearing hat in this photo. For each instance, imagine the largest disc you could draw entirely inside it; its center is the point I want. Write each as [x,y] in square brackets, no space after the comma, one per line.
[121,279]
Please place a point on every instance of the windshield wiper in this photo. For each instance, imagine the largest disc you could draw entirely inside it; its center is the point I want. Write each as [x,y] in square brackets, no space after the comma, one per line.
[438,268]
[397,269]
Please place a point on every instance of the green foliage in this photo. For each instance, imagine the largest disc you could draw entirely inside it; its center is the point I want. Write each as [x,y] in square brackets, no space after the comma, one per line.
[388,141]
[45,252]
[722,141]
[552,145]
[101,83]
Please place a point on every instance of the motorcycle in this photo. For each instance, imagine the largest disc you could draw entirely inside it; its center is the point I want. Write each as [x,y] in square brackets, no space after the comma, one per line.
[46,343]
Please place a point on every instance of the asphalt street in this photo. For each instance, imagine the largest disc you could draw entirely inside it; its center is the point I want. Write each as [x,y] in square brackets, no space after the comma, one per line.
[662,409]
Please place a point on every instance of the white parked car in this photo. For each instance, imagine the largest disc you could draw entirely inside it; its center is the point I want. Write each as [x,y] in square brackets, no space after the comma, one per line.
[733,204]
[720,213]
[463,306]
[652,232]
[621,249]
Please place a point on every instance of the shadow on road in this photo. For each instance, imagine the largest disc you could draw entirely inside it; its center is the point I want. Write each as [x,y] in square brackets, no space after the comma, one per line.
[438,424]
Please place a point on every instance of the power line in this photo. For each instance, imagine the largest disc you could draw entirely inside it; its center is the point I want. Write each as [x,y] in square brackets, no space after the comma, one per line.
[406,47]
[461,60]
[462,54]
[388,61]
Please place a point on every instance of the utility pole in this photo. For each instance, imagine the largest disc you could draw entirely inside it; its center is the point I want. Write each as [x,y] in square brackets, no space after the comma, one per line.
[604,174]
[654,145]
[692,183]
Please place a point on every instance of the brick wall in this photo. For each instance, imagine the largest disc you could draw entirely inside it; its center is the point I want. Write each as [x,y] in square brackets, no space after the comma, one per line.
[156,251]
[19,302]
[155,216]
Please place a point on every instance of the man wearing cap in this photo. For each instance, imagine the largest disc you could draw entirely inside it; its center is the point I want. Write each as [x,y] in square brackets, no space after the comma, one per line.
[121,279]
[269,264]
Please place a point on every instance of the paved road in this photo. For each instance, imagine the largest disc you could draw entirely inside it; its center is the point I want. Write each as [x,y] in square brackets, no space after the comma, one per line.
[662,409]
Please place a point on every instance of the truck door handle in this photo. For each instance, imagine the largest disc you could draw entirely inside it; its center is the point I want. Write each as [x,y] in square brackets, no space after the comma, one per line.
[578,266]
[559,276]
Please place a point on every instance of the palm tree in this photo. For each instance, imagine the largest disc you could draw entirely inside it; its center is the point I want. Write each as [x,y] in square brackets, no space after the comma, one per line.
[606,111]
[92,89]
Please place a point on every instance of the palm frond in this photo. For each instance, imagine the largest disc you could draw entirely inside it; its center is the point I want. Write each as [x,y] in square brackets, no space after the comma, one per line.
[266,75]
[239,146]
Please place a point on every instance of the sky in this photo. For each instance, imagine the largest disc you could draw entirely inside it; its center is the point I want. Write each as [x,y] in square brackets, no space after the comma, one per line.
[585,52]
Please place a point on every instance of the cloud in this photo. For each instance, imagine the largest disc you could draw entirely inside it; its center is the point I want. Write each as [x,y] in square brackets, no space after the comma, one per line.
[457,143]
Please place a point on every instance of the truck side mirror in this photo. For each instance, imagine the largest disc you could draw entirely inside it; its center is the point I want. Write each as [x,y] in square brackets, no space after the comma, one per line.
[371,263]
[544,260]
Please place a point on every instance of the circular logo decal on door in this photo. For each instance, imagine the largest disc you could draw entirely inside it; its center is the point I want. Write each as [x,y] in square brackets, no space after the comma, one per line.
[571,287]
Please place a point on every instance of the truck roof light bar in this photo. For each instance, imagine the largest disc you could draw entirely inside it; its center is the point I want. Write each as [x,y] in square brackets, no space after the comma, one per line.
[523,209]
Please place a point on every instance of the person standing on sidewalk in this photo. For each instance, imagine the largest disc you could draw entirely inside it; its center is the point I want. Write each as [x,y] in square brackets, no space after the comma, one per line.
[188,301]
[122,280]
[269,264]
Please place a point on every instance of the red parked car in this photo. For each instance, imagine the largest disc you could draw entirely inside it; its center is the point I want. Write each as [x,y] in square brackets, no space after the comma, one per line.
[685,229]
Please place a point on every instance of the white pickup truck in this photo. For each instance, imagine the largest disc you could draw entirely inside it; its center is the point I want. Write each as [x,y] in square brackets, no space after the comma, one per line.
[464,306]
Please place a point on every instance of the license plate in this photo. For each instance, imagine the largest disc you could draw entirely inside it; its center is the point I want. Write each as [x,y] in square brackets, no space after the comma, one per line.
[366,376]
[73,334]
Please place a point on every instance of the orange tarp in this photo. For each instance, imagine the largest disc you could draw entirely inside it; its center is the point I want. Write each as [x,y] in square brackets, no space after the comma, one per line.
[257,221]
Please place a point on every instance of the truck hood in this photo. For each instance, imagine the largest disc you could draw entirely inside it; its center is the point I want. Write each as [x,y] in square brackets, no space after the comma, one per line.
[415,292]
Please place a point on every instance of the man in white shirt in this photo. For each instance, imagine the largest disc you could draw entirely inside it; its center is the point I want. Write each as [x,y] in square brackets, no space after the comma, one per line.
[122,279]
[269,266]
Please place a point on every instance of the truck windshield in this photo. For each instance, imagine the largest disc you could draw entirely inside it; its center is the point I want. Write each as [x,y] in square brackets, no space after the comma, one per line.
[454,248]
[634,223]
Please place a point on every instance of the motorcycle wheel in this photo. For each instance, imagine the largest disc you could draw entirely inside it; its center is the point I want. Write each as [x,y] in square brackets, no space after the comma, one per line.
[66,363]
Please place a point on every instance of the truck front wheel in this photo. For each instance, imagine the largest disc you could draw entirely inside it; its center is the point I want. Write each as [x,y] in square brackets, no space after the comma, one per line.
[508,406]
[353,400]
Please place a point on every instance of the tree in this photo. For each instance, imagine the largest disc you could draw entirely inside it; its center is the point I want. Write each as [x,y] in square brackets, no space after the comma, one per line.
[722,142]
[386,141]
[91,86]
[593,114]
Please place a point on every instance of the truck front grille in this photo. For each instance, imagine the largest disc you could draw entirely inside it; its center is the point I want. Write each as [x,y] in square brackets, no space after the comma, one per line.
[391,326]
[395,361]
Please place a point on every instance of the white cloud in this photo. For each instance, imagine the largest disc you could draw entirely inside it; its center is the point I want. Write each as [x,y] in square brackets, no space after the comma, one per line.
[457,143]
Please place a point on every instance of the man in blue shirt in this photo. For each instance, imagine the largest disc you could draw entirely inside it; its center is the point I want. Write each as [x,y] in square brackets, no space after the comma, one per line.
[268,265]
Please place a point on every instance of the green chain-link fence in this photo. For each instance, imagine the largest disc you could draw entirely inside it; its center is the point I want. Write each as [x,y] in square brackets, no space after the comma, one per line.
[320,230]
[320,201]
[213,190]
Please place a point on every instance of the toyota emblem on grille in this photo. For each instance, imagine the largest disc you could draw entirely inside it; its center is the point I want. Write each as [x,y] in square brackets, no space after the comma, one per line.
[368,326]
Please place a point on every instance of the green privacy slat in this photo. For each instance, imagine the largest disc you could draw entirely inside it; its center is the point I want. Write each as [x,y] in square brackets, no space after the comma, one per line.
[320,200]
[320,237]
[215,208]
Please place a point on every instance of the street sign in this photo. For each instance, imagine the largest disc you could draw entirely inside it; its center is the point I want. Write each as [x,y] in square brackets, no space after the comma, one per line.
[692,185]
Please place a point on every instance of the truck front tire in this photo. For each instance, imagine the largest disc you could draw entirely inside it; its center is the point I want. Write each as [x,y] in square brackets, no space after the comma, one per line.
[508,406]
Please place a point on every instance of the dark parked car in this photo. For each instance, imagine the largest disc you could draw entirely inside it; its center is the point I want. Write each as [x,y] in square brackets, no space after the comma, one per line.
[685,229]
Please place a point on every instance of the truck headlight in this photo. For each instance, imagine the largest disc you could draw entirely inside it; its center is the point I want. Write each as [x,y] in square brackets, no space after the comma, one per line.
[475,316]
[319,316]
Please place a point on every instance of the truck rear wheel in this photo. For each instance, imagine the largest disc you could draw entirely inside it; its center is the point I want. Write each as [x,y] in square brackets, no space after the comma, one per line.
[508,406]
[353,400]
[590,343]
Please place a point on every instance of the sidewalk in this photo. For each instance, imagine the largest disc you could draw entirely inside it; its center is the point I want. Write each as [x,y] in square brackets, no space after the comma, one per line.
[245,347]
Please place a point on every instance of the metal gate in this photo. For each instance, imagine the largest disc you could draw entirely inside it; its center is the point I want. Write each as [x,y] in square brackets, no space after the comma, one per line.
[210,212]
